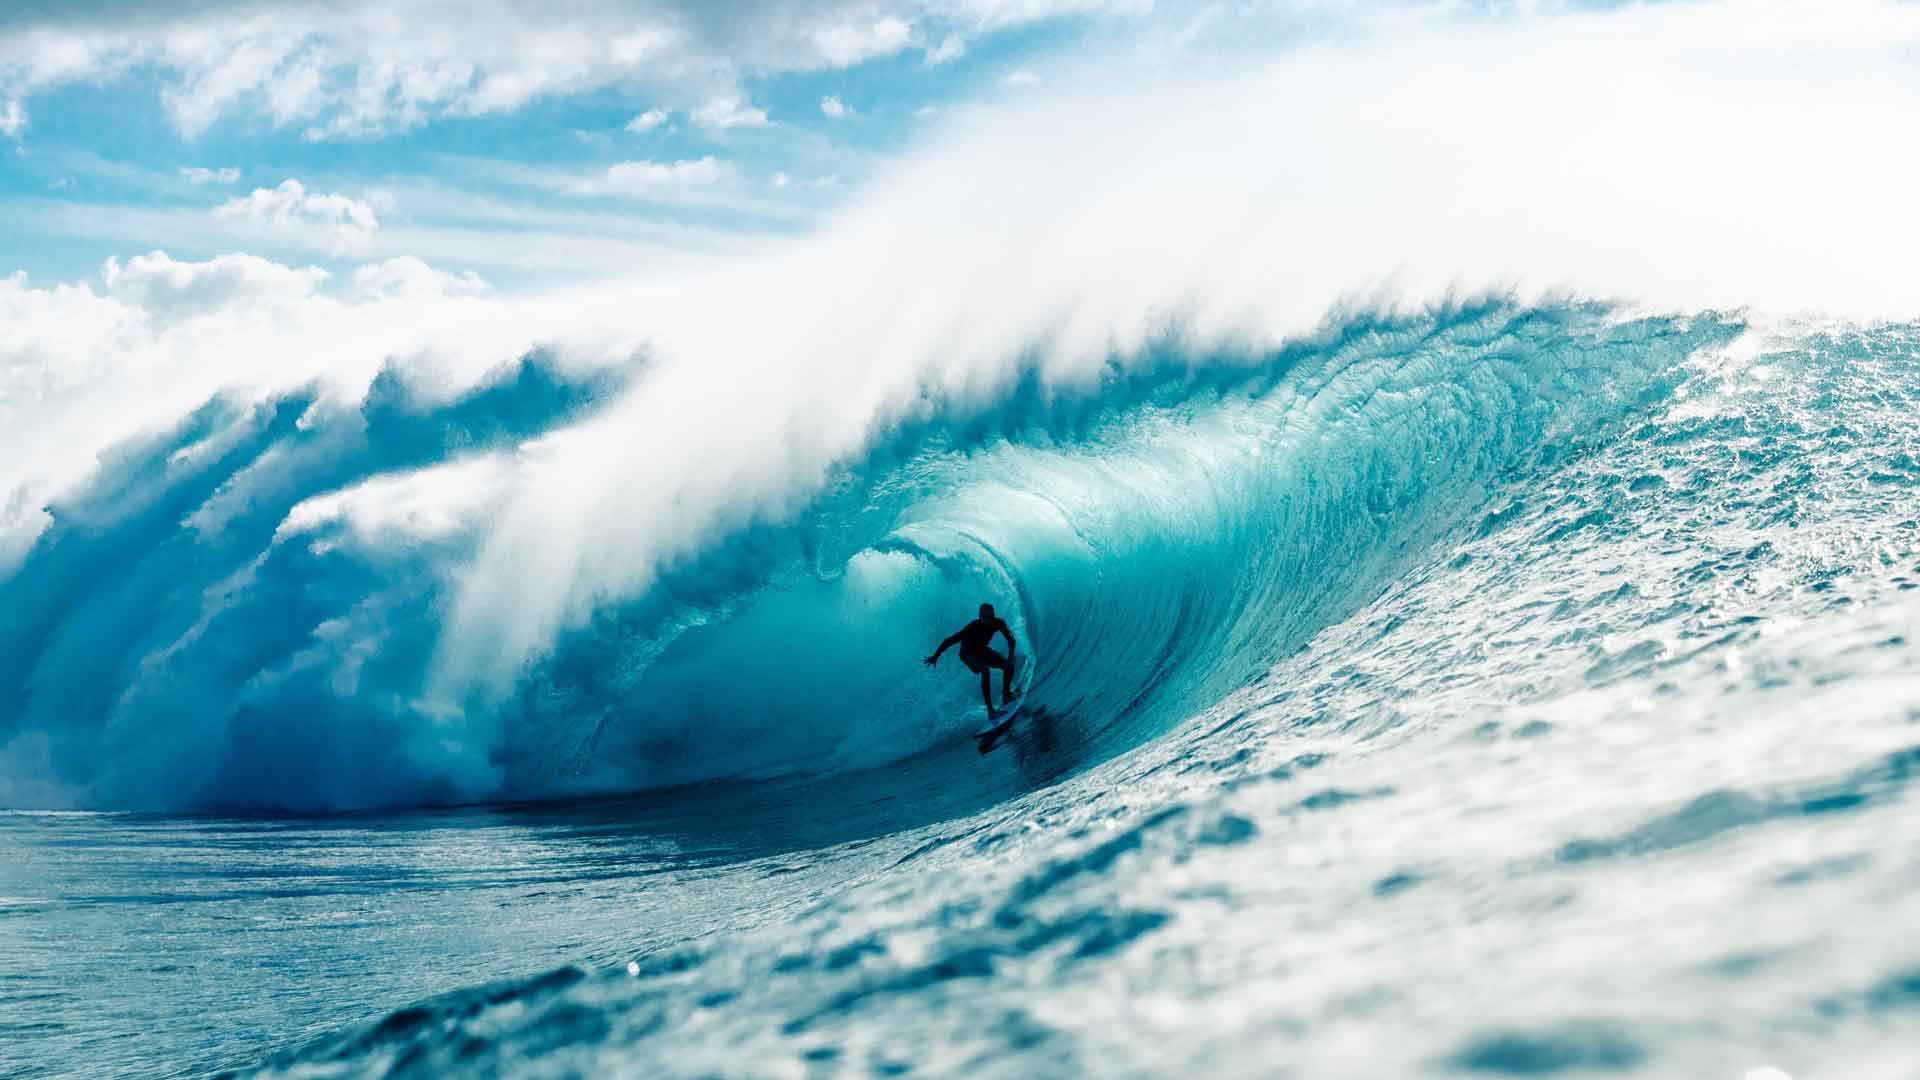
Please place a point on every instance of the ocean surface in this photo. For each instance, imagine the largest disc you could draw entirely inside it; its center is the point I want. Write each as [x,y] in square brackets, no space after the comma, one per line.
[1501,690]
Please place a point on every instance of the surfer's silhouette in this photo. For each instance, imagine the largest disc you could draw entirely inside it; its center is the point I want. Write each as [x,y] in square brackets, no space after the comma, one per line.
[976,651]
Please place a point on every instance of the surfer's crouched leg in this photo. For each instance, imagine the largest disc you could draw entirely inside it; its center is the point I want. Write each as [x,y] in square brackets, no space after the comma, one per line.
[988,660]
[984,661]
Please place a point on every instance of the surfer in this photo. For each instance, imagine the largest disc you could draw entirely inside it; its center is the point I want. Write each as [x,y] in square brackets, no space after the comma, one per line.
[976,651]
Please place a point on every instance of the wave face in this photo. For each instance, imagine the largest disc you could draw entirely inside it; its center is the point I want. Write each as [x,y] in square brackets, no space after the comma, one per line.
[247,611]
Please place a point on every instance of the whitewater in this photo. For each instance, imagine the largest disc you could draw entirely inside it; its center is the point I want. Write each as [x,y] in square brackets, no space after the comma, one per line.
[1463,636]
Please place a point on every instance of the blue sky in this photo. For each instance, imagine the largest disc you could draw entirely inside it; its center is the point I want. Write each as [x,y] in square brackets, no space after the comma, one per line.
[325,138]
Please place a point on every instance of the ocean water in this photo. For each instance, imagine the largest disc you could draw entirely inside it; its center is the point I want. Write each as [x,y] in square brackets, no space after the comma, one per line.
[1503,690]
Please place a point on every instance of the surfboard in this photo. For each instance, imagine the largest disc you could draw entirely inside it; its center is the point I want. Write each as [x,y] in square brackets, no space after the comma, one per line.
[1002,723]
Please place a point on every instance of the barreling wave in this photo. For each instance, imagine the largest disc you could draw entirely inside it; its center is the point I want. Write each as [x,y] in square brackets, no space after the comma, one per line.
[245,611]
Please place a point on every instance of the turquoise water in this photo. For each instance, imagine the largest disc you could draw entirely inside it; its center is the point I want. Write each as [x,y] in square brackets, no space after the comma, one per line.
[1499,691]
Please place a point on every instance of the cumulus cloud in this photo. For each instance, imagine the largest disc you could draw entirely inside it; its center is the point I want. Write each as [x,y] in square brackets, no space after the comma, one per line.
[1021,77]
[728,112]
[849,42]
[51,339]
[13,119]
[407,277]
[335,222]
[172,289]
[56,344]
[194,174]
[834,107]
[647,121]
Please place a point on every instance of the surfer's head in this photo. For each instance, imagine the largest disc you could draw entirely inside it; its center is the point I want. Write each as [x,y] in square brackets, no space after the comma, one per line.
[986,611]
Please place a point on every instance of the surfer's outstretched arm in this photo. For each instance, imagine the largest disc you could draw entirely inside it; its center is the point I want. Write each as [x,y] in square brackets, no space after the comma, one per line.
[935,658]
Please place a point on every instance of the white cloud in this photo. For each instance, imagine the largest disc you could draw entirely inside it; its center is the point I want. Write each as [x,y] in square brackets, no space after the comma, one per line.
[926,110]
[225,71]
[50,341]
[844,44]
[834,107]
[13,118]
[729,111]
[647,121]
[704,170]
[653,177]
[56,344]
[951,48]
[358,67]
[196,175]
[173,289]
[406,277]
[1020,77]
[781,179]
[336,222]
